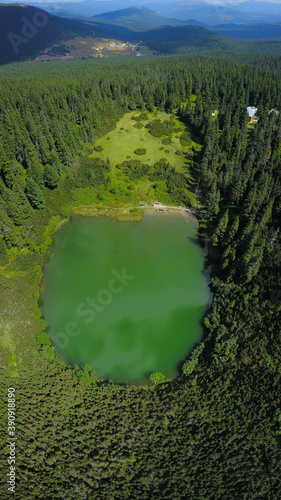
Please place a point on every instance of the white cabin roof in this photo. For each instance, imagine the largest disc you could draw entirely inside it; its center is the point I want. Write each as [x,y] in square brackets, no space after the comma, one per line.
[251,110]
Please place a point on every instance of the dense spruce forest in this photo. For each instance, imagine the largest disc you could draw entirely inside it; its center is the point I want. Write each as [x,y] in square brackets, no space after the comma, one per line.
[214,432]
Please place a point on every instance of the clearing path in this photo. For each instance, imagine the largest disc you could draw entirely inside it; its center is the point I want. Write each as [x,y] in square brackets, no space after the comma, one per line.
[159,205]
[135,50]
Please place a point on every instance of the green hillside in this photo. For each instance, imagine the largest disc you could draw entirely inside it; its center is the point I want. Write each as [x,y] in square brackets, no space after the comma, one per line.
[248,31]
[180,39]
[193,39]
[26,31]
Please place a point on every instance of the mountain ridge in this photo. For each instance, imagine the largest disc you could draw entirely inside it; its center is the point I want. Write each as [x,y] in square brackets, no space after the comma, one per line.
[29,30]
[136,18]
[200,10]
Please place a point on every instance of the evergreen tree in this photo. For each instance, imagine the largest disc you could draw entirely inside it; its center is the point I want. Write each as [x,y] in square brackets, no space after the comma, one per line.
[51,177]
[34,194]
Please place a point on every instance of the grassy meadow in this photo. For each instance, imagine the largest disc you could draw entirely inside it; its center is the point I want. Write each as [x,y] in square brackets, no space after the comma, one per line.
[120,144]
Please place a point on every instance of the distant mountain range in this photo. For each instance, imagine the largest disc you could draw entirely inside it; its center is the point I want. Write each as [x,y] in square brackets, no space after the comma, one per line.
[259,8]
[247,31]
[26,32]
[135,18]
[142,19]
[199,10]
[241,13]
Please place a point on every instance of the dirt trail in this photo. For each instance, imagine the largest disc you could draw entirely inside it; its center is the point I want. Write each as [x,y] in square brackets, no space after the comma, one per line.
[169,207]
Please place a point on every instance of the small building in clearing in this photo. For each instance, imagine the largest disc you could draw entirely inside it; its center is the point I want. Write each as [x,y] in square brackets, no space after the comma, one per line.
[251,110]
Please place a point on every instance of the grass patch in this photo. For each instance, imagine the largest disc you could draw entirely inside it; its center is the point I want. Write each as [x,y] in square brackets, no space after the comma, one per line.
[117,146]
[5,282]
[5,341]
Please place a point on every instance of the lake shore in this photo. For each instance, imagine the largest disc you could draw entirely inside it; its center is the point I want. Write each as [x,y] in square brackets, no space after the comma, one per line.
[131,213]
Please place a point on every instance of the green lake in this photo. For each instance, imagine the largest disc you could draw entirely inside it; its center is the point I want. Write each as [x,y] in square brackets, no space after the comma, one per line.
[125,297]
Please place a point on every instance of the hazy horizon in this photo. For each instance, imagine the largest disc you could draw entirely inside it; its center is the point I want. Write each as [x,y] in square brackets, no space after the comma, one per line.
[135,3]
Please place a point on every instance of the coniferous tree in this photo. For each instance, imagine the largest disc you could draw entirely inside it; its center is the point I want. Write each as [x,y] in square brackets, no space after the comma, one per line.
[34,194]
[51,177]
